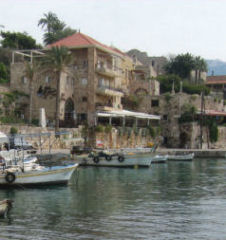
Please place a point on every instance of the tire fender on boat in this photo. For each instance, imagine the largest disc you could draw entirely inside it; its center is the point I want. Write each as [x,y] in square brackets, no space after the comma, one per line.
[121,158]
[10,177]
[96,159]
[108,157]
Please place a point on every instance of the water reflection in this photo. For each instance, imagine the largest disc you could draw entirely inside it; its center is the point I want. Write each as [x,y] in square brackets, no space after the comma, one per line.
[168,201]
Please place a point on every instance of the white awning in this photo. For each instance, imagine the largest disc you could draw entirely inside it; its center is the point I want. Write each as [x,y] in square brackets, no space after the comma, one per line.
[126,113]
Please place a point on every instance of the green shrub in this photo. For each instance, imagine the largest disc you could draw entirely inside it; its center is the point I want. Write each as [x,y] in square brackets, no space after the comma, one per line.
[13,130]
[168,97]
[188,114]
[99,128]
[152,132]
[35,122]
[213,130]
[108,129]
[10,119]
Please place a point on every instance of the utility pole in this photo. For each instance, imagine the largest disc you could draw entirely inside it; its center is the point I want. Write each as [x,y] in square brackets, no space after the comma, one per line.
[201,119]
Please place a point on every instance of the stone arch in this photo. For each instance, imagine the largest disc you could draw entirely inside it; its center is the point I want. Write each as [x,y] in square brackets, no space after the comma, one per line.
[141,91]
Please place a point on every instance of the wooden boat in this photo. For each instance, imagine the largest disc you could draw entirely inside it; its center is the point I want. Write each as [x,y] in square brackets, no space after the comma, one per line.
[47,176]
[159,159]
[5,206]
[185,157]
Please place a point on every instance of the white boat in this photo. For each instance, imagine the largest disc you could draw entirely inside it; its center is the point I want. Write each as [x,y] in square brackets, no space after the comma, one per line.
[159,159]
[46,176]
[185,157]
[116,161]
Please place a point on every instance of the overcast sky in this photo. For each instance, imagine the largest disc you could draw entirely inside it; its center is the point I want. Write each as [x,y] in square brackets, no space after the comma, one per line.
[159,27]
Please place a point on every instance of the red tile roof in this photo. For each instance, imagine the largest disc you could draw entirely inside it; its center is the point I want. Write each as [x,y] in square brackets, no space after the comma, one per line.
[81,40]
[210,112]
[216,80]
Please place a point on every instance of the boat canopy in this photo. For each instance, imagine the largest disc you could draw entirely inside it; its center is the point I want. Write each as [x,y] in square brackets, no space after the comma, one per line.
[126,113]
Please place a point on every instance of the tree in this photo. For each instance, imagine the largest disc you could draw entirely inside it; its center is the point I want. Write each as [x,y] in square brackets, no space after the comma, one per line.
[51,23]
[200,66]
[30,72]
[17,40]
[181,65]
[54,28]
[57,60]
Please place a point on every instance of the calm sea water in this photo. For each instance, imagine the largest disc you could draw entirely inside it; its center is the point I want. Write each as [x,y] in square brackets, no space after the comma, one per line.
[168,201]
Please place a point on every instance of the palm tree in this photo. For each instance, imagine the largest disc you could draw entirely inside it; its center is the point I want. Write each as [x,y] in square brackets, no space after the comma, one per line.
[30,72]
[200,66]
[57,60]
[51,22]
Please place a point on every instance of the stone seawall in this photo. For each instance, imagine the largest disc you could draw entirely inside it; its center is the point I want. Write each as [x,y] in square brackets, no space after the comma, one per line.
[199,153]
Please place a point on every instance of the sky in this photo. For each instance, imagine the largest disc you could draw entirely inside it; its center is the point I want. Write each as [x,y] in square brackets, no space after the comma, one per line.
[158,27]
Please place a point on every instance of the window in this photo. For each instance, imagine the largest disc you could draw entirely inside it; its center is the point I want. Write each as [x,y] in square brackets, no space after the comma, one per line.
[85,63]
[47,79]
[84,99]
[165,117]
[154,103]
[24,80]
[101,82]
[84,81]
[83,116]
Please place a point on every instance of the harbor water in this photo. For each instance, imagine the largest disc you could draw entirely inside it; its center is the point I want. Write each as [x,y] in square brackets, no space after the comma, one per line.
[177,200]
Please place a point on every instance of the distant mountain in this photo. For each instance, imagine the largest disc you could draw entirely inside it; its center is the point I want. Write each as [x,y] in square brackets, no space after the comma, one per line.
[216,67]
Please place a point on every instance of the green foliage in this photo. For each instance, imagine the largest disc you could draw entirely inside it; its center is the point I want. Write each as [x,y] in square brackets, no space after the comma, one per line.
[10,119]
[3,73]
[131,101]
[54,28]
[35,122]
[152,132]
[166,82]
[183,64]
[108,129]
[195,89]
[188,114]
[99,128]
[168,97]
[213,130]
[17,40]
[13,130]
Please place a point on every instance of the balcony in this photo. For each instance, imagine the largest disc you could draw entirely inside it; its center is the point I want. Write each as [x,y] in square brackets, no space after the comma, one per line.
[109,91]
[105,71]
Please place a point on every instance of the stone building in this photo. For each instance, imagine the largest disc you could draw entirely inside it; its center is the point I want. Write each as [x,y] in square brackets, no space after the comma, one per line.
[97,79]
[179,134]
[217,85]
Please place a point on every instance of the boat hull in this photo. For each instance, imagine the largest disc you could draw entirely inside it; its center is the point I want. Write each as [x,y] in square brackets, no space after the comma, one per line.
[188,157]
[127,163]
[43,177]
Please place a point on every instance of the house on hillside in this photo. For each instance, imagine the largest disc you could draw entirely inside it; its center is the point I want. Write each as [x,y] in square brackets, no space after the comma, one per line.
[98,78]
[217,85]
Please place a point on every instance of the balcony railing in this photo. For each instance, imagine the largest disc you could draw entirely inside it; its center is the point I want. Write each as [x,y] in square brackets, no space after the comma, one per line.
[110,91]
[106,71]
